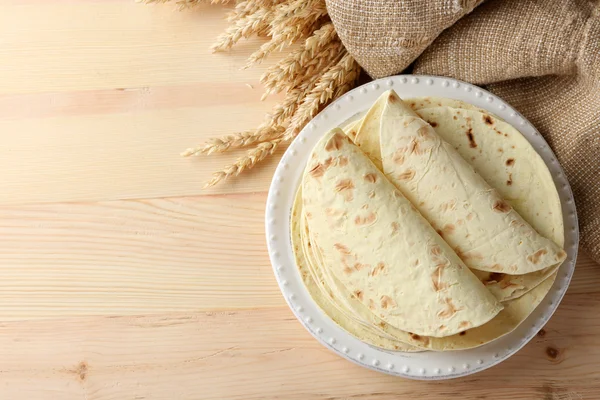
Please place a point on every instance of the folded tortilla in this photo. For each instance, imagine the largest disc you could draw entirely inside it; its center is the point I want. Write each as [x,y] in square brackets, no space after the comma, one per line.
[356,318]
[382,251]
[485,231]
[324,297]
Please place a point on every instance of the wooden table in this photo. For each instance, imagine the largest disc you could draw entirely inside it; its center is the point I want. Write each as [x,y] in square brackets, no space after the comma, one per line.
[121,279]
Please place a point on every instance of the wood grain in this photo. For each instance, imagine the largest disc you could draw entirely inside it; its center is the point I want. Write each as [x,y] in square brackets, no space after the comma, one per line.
[135,86]
[267,354]
[121,279]
[131,257]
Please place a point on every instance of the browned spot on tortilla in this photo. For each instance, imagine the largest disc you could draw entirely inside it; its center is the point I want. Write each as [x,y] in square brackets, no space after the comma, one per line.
[448,228]
[419,338]
[317,171]
[342,249]
[371,194]
[501,206]
[433,124]
[460,222]
[510,162]
[495,267]
[406,175]
[343,160]
[352,134]
[464,325]
[493,278]
[442,327]
[378,269]
[332,212]
[436,279]
[335,142]
[386,301]
[381,324]
[487,119]
[473,158]
[329,162]
[413,147]
[509,181]
[561,254]
[398,157]
[472,143]
[359,266]
[367,220]
[449,310]
[309,215]
[440,232]
[500,150]
[463,333]
[395,227]
[506,135]
[512,147]
[358,294]
[435,250]
[424,131]
[345,186]
[393,98]
[365,206]
[347,270]
[513,268]
[506,284]
[449,205]
[537,256]
[413,104]
[370,177]
[371,304]
[454,117]
[416,262]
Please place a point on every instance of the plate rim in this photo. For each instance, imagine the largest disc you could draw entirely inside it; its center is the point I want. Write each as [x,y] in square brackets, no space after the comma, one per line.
[277,228]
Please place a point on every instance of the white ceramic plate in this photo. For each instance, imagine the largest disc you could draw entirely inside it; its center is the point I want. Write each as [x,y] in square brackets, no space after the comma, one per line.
[425,365]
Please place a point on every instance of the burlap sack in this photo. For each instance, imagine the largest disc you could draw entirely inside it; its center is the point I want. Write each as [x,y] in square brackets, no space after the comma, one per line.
[541,56]
[384,36]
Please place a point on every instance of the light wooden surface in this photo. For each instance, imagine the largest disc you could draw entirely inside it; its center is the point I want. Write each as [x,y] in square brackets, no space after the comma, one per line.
[121,279]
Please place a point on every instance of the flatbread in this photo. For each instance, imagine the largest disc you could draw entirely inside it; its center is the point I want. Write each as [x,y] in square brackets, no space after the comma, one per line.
[538,257]
[382,250]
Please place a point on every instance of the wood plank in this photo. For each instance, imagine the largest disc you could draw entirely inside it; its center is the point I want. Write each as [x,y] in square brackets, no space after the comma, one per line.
[50,46]
[122,156]
[267,354]
[134,257]
[147,256]
[89,113]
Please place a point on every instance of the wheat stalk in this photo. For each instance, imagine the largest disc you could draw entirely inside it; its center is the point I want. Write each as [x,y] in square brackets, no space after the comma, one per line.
[272,128]
[291,22]
[252,157]
[241,139]
[317,72]
[186,3]
[334,82]
[294,69]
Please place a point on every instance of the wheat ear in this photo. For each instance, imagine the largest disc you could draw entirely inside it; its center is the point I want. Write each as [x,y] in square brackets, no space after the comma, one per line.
[334,82]
[254,156]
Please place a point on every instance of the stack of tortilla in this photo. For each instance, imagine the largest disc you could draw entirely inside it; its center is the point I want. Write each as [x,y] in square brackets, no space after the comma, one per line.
[427,225]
